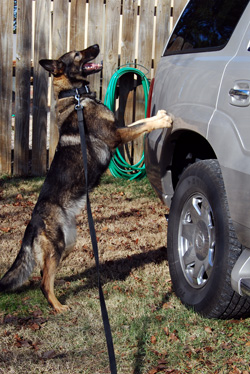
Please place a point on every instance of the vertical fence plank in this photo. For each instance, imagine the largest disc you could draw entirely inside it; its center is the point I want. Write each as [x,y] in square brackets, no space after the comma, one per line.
[178,6]
[96,36]
[128,39]
[128,45]
[59,47]
[77,24]
[162,31]
[6,53]
[146,27]
[22,97]
[111,44]
[41,50]
[127,82]
[59,31]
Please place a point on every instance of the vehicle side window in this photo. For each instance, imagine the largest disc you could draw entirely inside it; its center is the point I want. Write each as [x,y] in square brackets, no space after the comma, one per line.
[205,25]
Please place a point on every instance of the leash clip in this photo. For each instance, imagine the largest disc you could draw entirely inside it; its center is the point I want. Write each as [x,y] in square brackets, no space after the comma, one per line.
[77,97]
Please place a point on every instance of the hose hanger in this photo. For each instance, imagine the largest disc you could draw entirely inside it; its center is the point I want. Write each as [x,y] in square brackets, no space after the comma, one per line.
[118,166]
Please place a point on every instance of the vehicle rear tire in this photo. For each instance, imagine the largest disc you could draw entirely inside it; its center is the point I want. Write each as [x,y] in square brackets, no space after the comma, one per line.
[202,245]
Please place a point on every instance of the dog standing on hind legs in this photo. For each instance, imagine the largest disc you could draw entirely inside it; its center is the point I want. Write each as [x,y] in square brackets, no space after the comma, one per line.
[51,232]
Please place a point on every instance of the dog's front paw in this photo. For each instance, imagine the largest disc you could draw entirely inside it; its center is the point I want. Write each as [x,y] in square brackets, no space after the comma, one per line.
[165,119]
[161,113]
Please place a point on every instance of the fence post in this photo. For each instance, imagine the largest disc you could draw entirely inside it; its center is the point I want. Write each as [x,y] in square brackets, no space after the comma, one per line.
[128,42]
[96,36]
[59,47]
[110,58]
[128,46]
[6,53]
[77,24]
[22,96]
[40,106]
[145,46]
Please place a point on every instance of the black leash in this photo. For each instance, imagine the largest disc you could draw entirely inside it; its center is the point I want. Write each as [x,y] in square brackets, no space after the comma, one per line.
[107,329]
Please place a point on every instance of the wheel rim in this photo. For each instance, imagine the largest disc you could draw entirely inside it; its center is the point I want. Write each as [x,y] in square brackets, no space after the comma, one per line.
[196,240]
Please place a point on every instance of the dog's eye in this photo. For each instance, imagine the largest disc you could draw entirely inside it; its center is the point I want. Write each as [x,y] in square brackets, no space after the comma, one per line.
[77,56]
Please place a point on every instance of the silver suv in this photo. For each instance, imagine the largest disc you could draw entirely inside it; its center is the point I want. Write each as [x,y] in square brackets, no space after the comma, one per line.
[201,167]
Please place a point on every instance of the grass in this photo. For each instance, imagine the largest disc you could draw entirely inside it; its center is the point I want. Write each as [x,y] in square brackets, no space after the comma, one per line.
[152,331]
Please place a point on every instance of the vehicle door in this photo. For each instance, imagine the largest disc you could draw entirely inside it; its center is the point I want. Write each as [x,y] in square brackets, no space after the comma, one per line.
[229,131]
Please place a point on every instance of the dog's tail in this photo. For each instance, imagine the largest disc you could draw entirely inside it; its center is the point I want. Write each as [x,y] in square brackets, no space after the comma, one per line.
[23,264]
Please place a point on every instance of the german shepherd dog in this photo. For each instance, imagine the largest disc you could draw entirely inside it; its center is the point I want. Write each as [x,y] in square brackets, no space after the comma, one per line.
[51,232]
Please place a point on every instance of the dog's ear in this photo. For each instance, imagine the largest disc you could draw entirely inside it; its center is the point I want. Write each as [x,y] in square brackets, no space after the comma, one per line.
[55,67]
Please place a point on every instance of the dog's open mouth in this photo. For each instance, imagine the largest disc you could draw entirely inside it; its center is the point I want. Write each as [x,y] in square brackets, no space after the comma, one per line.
[91,68]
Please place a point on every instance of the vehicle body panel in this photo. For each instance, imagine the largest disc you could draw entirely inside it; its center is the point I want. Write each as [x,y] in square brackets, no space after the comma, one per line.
[194,88]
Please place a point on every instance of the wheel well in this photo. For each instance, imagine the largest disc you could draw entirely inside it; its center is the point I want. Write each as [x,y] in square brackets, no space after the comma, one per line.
[189,147]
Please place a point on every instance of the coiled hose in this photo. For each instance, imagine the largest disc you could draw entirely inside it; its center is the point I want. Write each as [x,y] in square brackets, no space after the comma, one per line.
[118,166]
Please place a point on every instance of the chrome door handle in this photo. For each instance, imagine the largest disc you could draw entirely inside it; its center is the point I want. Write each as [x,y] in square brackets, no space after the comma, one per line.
[239,94]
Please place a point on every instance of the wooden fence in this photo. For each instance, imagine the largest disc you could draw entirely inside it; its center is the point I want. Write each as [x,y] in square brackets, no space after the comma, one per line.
[128,31]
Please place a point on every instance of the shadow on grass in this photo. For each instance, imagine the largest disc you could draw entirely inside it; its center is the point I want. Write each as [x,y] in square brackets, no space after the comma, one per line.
[116,269]
[109,271]
[51,361]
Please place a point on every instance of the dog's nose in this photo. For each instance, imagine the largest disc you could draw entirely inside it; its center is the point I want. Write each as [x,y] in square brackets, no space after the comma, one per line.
[96,46]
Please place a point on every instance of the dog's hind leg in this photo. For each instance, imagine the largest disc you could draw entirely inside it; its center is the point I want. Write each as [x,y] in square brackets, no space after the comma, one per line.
[47,286]
[131,132]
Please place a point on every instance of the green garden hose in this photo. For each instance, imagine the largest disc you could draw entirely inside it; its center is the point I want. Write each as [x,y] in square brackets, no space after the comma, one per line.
[118,166]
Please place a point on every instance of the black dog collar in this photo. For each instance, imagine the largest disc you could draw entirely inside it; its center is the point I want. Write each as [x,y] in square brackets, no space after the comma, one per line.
[74,91]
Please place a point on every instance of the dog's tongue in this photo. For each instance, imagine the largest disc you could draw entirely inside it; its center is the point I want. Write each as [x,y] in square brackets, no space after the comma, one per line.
[92,67]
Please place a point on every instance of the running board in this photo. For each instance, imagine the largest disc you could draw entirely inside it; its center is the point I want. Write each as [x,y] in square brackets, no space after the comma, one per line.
[245,287]
[240,276]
